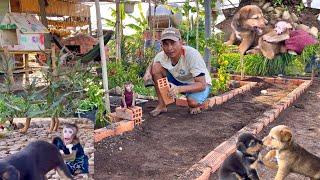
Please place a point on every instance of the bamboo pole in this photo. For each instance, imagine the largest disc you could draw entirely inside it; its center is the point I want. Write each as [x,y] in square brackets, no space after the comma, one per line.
[241,66]
[118,34]
[197,25]
[207,8]
[103,58]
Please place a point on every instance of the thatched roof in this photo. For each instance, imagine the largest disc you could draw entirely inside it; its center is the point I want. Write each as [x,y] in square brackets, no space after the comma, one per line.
[73,8]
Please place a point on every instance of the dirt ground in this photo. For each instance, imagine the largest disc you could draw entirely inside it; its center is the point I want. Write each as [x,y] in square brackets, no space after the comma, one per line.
[304,118]
[166,146]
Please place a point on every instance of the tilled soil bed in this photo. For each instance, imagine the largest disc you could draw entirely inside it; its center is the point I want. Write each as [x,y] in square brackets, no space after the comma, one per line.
[304,119]
[166,146]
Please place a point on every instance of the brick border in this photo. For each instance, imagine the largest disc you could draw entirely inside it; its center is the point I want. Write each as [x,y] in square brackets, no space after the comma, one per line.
[121,126]
[210,163]
[113,130]
[222,98]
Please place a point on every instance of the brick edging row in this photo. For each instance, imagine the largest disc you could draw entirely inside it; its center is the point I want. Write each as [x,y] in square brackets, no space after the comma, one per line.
[120,127]
[220,99]
[210,163]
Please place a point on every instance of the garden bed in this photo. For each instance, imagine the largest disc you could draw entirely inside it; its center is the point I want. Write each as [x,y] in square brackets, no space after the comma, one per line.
[167,146]
[118,128]
[304,119]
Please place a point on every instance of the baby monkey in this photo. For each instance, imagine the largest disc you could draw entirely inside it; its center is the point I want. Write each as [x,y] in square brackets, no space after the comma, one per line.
[71,150]
[128,96]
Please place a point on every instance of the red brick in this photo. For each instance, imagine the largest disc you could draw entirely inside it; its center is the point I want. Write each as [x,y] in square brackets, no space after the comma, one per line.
[102,133]
[237,78]
[123,126]
[230,95]
[163,85]
[242,83]
[248,129]
[124,113]
[240,90]
[182,102]
[213,159]
[296,82]
[114,117]
[219,100]
[279,81]
[227,147]
[269,114]
[137,111]
[225,97]
[269,80]
[137,121]
[236,91]
[212,101]
[252,84]
[258,126]
[279,106]
[265,120]
[205,174]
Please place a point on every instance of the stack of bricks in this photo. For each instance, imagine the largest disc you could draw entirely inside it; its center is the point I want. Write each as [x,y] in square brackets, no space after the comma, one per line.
[132,114]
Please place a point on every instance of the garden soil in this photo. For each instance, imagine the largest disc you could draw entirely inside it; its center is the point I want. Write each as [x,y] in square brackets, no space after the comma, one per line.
[304,119]
[166,146]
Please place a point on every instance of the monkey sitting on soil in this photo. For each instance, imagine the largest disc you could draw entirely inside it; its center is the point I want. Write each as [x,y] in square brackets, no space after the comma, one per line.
[33,162]
[73,153]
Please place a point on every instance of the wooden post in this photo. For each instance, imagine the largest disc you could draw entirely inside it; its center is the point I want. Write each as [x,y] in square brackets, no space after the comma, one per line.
[10,67]
[207,7]
[53,61]
[26,67]
[103,58]
[118,34]
[197,25]
[241,66]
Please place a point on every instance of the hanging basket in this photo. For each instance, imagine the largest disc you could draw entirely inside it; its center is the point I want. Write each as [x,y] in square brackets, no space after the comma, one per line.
[129,7]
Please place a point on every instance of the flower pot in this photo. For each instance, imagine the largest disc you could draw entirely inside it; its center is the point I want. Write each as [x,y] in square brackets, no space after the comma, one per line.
[87,114]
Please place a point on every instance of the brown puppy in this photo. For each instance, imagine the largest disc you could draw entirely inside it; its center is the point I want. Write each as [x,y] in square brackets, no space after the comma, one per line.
[272,42]
[247,25]
[290,156]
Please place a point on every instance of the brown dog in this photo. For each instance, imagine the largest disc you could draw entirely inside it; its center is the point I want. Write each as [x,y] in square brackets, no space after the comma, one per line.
[272,42]
[247,25]
[290,156]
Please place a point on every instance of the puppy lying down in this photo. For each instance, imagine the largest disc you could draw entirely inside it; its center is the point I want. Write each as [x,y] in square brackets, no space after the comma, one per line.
[242,163]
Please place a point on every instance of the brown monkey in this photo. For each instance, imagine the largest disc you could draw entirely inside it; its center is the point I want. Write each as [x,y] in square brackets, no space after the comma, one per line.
[128,96]
[73,152]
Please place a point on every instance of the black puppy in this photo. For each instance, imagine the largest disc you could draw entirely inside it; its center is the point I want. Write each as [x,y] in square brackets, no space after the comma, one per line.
[33,163]
[242,163]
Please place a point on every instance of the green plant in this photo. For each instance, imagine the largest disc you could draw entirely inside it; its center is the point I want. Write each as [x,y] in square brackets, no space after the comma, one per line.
[278,2]
[218,48]
[220,84]
[300,7]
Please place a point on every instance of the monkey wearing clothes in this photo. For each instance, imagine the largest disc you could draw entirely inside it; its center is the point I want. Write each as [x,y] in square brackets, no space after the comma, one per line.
[72,151]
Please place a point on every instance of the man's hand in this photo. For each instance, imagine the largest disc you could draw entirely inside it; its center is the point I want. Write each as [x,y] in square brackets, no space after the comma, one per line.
[174,90]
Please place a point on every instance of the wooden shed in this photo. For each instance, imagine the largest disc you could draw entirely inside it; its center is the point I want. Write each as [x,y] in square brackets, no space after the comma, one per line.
[22,32]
